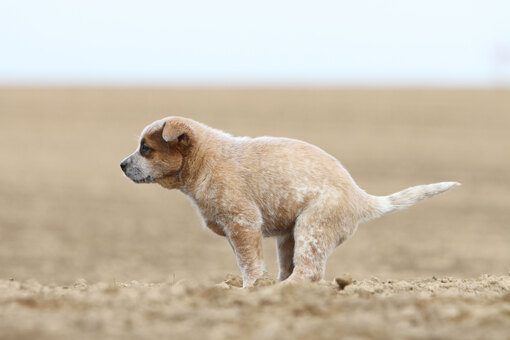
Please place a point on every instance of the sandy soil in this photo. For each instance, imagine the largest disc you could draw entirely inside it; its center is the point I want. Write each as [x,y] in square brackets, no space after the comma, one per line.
[435,308]
[84,253]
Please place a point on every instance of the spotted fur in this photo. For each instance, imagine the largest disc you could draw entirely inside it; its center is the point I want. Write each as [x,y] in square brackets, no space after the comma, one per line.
[249,188]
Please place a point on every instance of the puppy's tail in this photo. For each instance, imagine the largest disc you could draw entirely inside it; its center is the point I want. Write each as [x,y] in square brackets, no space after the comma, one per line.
[382,205]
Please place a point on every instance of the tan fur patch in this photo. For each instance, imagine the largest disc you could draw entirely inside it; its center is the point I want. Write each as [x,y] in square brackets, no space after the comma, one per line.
[247,188]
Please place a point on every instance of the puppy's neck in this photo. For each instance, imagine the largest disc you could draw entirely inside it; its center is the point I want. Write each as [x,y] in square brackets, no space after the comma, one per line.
[169,182]
[197,167]
[199,164]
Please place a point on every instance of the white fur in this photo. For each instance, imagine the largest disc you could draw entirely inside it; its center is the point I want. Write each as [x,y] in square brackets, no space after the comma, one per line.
[406,198]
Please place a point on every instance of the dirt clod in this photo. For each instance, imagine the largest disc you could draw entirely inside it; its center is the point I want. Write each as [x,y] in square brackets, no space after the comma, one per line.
[343,281]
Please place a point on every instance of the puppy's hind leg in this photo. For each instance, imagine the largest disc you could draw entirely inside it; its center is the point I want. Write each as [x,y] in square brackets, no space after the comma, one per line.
[318,231]
[285,248]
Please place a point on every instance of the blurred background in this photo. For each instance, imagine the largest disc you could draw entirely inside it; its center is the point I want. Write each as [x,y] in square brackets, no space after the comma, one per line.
[401,92]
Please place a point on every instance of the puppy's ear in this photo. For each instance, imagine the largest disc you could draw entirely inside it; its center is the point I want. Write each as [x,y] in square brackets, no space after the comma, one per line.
[177,131]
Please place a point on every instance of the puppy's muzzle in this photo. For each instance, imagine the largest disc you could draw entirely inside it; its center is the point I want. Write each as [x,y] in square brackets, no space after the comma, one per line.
[134,172]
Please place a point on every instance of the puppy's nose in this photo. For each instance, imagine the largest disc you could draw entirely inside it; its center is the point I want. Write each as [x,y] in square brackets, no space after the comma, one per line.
[123,165]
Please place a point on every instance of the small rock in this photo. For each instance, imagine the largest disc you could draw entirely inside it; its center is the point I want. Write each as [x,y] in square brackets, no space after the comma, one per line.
[343,281]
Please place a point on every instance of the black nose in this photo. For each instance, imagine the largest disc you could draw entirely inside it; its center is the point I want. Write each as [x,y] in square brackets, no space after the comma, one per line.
[123,165]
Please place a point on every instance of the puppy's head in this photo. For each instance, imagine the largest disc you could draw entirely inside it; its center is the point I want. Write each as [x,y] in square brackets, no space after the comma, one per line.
[162,147]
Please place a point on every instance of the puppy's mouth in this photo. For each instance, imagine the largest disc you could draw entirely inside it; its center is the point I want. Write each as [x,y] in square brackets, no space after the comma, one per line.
[136,176]
[148,179]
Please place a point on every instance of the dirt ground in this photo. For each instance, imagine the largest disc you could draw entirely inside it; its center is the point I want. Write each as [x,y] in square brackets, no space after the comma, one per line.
[85,253]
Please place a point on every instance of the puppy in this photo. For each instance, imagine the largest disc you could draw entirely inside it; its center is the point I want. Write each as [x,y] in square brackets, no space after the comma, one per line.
[249,188]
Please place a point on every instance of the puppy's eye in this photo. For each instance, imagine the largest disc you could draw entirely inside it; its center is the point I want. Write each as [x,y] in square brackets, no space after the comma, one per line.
[145,150]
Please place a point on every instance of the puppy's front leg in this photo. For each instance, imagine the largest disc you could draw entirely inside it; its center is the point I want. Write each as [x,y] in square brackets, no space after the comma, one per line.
[247,244]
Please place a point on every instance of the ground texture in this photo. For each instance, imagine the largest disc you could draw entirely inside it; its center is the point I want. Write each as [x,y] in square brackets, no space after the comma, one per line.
[85,254]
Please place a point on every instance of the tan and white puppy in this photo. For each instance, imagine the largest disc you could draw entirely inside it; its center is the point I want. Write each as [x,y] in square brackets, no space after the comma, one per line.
[249,188]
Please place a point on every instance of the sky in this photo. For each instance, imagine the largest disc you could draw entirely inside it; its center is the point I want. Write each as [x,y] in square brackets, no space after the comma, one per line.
[261,43]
